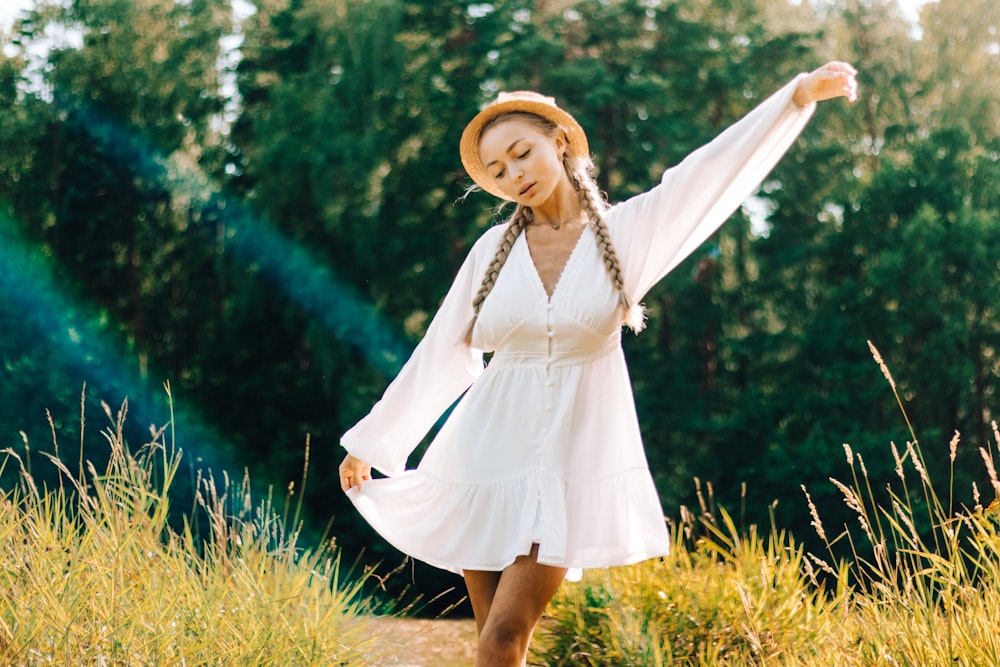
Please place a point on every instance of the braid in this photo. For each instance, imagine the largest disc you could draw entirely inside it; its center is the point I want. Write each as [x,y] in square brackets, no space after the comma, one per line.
[579,172]
[518,221]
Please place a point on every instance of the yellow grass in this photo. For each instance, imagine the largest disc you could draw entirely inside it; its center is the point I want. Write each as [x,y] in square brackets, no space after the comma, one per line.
[91,573]
[920,586]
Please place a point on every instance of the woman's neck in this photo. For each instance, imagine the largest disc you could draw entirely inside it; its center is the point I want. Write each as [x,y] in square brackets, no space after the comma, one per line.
[563,207]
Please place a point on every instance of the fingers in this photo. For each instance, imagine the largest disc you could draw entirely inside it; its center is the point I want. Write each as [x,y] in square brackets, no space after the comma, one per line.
[353,473]
[846,77]
[835,79]
[851,90]
[350,478]
[838,66]
[346,480]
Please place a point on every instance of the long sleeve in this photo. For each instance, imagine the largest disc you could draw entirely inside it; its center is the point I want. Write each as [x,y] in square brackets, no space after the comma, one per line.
[654,231]
[440,369]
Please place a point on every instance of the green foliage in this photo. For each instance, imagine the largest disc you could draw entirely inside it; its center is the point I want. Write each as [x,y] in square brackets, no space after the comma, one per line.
[145,141]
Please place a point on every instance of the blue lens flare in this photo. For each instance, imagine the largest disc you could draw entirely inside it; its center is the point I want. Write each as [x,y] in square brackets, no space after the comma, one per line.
[80,337]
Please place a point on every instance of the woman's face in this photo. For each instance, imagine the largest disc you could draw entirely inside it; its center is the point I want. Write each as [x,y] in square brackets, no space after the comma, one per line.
[524,162]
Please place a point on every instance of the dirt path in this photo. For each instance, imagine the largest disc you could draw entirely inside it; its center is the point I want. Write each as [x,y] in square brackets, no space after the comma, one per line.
[427,643]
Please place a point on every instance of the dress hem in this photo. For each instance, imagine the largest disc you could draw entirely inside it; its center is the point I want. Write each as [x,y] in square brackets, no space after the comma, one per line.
[571,567]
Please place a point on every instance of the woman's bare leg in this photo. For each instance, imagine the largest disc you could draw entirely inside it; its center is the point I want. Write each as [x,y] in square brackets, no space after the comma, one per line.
[512,608]
[482,586]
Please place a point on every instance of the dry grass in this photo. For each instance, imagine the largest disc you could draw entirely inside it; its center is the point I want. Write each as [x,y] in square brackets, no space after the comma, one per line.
[924,574]
[411,642]
[921,586]
[91,573]
[731,600]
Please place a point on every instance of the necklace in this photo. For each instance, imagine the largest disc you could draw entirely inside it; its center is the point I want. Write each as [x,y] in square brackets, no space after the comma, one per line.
[554,225]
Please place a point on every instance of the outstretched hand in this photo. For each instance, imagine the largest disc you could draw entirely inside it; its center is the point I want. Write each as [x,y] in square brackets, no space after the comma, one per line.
[354,471]
[834,79]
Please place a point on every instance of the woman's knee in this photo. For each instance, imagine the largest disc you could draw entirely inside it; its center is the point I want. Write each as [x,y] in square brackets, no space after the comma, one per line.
[505,636]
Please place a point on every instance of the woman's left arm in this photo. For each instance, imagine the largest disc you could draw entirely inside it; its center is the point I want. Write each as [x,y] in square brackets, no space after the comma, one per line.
[653,232]
[834,79]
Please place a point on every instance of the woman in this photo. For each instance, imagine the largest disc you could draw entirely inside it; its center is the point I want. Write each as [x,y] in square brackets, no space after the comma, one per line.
[540,471]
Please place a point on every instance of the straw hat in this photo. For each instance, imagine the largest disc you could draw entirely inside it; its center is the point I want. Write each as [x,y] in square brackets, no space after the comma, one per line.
[519,100]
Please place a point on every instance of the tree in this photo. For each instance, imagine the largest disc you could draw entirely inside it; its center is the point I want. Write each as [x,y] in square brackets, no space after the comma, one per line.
[271,225]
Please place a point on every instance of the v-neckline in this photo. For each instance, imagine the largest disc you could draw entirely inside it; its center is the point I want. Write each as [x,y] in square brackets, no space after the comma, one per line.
[562,272]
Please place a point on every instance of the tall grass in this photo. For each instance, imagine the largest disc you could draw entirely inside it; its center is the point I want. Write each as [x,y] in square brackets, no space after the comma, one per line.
[919,585]
[91,573]
[925,574]
[727,599]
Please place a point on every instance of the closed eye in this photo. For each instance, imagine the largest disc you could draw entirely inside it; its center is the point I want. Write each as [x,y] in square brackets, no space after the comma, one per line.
[497,176]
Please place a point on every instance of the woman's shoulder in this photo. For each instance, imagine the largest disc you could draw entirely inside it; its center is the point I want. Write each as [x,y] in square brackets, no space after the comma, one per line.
[493,232]
[488,240]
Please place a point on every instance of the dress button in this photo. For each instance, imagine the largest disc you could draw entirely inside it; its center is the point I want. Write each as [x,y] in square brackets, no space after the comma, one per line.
[551,334]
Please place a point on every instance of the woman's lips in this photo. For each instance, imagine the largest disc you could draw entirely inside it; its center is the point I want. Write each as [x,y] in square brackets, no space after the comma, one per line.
[526,188]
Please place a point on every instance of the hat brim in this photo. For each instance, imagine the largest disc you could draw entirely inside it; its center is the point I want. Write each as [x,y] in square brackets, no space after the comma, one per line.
[469,146]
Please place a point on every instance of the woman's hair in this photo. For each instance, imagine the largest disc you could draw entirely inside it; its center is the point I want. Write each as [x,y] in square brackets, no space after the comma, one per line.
[580,170]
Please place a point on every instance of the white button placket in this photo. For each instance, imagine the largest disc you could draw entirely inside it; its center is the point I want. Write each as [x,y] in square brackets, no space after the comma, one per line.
[549,382]
[549,388]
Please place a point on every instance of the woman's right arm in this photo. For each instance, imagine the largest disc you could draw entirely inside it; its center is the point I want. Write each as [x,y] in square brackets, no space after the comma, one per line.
[440,369]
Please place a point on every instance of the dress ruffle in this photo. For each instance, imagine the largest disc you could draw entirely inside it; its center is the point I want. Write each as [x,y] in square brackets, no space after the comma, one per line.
[485,526]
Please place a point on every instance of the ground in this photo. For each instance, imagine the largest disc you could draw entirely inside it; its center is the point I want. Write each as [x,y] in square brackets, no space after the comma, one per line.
[428,643]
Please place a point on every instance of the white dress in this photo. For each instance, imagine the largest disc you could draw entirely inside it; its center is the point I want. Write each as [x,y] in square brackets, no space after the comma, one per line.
[544,446]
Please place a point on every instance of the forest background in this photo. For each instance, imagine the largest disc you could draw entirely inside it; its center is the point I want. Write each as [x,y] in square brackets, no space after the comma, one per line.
[263,205]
